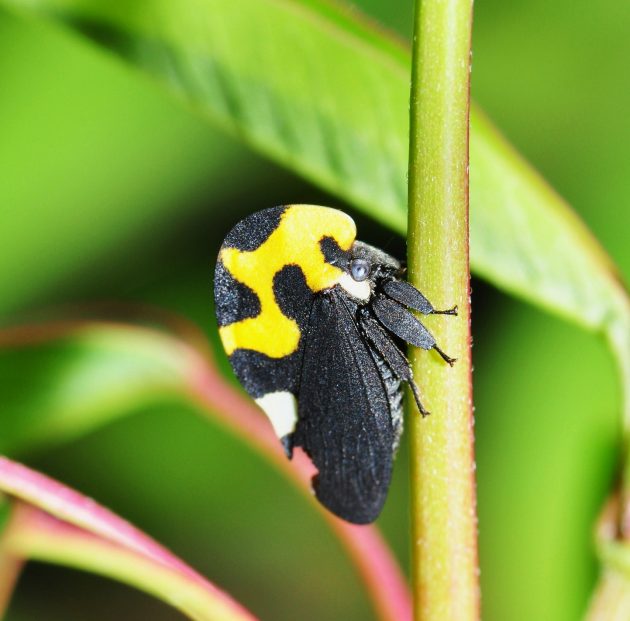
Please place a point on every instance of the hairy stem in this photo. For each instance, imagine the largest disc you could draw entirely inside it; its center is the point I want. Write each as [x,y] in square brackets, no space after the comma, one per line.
[444,526]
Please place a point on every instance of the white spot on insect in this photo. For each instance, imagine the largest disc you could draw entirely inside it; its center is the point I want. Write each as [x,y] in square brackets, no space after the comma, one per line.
[281,409]
[360,290]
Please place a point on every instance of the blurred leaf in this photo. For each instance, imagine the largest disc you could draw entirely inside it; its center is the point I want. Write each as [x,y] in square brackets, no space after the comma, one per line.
[546,92]
[62,381]
[57,524]
[325,94]
[95,168]
[82,374]
[346,129]
[10,567]
[611,600]
[547,444]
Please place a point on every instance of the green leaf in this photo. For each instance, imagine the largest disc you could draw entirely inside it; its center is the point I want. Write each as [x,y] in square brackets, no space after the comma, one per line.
[526,240]
[82,376]
[326,94]
[611,599]
[68,108]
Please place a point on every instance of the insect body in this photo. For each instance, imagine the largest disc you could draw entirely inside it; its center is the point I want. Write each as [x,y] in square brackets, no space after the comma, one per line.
[313,322]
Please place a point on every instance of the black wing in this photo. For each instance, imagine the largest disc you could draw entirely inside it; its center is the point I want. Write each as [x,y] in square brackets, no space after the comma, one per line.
[344,422]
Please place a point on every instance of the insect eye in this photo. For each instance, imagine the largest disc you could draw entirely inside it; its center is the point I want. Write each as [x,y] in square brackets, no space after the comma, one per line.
[359,269]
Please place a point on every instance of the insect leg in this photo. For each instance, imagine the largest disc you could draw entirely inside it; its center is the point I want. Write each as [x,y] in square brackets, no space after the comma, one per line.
[450,361]
[398,320]
[449,311]
[389,351]
[407,294]
[287,445]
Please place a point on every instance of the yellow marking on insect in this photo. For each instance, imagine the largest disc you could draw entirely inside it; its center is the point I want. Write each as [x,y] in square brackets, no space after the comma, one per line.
[294,242]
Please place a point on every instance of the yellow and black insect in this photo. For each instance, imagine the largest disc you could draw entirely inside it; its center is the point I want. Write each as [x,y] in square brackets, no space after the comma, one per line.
[313,322]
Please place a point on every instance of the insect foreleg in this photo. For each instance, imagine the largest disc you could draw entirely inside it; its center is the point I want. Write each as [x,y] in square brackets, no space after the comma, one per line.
[407,294]
[449,311]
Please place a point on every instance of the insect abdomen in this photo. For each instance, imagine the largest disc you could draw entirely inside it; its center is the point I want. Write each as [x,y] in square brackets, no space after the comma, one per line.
[393,388]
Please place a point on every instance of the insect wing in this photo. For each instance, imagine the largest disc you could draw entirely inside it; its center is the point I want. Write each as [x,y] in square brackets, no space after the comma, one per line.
[344,423]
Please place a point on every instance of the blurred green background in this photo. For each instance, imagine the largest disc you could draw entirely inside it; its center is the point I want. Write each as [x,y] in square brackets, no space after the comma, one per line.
[109,190]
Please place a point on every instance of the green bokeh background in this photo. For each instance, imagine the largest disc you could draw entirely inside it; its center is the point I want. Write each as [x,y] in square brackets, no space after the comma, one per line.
[111,190]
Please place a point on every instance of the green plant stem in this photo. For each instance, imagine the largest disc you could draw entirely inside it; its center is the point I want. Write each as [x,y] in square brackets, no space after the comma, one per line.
[444,544]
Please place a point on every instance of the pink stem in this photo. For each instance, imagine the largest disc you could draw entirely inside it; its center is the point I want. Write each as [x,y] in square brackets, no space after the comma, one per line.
[65,510]
[379,570]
